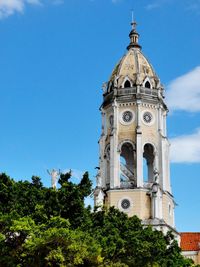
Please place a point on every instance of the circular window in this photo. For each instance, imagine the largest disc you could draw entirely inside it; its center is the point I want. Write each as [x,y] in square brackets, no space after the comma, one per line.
[127,116]
[147,117]
[125,204]
[111,120]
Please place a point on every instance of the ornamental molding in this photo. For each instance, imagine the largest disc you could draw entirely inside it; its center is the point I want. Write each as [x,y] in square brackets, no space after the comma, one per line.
[127,104]
[149,106]
[155,150]
[124,142]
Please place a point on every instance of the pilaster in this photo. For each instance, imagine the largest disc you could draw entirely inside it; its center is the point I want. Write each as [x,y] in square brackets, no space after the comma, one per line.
[139,149]
[114,154]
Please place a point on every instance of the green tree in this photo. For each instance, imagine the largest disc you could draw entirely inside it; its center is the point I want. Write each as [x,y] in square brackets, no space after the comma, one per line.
[53,244]
[32,199]
[125,241]
[42,227]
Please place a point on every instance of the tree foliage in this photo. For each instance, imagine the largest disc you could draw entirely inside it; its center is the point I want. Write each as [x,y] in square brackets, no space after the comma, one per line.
[42,226]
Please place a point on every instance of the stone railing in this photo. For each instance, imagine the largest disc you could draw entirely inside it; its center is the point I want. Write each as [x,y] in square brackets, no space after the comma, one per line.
[148,185]
[127,91]
[128,173]
[126,184]
[134,91]
[148,91]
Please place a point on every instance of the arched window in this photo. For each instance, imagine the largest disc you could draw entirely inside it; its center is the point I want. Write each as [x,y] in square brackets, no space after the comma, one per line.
[127,165]
[170,210]
[147,84]
[148,163]
[127,84]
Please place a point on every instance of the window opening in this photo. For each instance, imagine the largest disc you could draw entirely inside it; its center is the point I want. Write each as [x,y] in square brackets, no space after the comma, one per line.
[147,84]
[127,165]
[127,84]
[148,163]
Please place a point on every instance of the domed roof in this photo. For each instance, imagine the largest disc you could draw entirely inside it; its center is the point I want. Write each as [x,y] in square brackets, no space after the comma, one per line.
[134,67]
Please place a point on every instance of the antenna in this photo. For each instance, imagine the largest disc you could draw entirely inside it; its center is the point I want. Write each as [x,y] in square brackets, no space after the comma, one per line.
[132,15]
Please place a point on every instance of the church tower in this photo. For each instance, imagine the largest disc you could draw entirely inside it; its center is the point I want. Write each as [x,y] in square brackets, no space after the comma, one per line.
[134,171]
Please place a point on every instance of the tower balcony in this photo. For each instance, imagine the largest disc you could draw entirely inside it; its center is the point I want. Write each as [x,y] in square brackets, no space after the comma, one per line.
[135,92]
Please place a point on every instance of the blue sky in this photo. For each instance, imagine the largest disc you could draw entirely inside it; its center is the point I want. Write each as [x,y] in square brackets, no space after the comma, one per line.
[54,57]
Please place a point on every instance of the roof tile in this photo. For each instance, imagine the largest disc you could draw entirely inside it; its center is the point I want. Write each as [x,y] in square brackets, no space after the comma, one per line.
[190,241]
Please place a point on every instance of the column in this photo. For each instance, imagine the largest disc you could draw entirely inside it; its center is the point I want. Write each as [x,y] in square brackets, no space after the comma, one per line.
[155,201]
[114,154]
[160,119]
[165,165]
[102,161]
[165,123]
[139,149]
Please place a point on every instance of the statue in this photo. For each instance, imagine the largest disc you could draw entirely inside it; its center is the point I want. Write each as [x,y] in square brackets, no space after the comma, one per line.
[116,81]
[156,175]
[104,87]
[98,180]
[54,175]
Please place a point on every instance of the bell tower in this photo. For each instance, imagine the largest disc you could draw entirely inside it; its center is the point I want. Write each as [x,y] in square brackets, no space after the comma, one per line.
[134,171]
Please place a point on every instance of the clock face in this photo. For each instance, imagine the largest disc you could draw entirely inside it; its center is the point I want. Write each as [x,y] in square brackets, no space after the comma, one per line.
[147,117]
[125,204]
[127,116]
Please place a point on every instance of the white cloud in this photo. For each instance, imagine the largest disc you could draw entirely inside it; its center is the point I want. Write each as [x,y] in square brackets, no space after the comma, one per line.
[9,7]
[186,148]
[156,4]
[193,5]
[33,2]
[184,92]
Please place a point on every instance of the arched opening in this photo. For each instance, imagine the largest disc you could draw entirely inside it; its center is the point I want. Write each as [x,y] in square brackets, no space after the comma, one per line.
[148,163]
[127,165]
[147,84]
[127,84]
[145,171]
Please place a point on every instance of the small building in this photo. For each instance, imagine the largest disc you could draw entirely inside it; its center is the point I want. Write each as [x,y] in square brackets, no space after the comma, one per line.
[190,245]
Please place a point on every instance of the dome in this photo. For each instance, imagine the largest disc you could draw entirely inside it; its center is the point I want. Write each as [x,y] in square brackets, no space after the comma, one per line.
[134,68]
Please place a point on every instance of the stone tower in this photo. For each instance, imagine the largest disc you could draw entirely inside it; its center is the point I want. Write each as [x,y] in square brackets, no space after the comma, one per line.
[134,171]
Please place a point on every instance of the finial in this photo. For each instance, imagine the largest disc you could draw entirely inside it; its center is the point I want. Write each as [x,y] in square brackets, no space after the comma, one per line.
[134,25]
[134,36]
[133,22]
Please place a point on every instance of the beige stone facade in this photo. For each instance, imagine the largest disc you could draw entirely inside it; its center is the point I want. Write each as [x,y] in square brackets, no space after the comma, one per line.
[193,255]
[168,209]
[140,202]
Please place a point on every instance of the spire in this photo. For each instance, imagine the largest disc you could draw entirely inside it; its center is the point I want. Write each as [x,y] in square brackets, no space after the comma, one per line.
[134,36]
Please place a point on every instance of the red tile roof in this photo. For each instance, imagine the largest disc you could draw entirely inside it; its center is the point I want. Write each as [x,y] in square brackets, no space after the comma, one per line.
[190,241]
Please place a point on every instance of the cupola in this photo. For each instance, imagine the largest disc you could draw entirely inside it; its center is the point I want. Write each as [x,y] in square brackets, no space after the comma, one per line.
[133,69]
